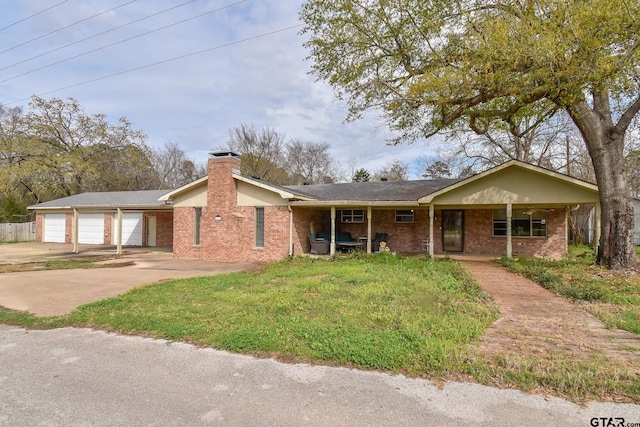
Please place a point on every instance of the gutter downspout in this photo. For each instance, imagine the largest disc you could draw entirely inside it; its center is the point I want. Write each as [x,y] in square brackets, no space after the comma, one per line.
[290,231]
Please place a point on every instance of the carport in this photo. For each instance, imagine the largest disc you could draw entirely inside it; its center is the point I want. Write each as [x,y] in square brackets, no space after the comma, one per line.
[121,218]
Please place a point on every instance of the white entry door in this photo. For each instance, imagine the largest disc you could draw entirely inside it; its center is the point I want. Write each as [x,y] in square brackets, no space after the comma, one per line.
[151,231]
[54,228]
[91,228]
[131,229]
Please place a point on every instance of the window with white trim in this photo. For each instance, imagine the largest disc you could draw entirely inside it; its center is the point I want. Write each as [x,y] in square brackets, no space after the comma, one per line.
[352,216]
[522,224]
[405,216]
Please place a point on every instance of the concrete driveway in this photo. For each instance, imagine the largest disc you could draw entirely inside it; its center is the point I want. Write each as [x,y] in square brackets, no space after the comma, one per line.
[58,292]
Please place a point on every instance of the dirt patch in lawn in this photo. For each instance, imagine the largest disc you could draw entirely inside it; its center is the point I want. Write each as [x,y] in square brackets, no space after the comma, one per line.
[535,322]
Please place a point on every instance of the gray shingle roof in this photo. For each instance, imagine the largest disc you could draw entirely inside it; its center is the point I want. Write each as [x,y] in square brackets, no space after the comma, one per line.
[111,199]
[391,191]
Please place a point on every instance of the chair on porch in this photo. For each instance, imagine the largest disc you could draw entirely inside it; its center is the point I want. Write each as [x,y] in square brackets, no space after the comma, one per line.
[318,246]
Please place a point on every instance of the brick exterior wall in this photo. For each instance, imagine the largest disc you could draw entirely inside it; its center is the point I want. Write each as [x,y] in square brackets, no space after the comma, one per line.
[233,237]
[183,246]
[164,228]
[39,227]
[108,225]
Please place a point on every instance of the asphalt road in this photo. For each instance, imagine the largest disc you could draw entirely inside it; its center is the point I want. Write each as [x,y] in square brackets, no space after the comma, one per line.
[79,377]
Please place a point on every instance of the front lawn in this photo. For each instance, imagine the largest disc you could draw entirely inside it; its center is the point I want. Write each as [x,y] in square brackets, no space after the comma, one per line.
[415,316]
[396,314]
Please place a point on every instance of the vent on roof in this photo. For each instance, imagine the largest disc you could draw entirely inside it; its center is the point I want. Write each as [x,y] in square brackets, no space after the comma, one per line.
[384,179]
[223,154]
[305,183]
[255,177]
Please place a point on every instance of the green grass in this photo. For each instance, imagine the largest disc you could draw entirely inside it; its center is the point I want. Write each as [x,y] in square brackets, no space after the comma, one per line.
[614,297]
[416,316]
[60,264]
[409,315]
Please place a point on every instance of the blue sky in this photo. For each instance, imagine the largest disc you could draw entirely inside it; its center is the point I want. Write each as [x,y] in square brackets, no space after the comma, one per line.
[252,70]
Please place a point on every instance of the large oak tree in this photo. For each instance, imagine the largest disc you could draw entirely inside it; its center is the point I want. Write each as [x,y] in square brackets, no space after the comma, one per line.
[432,65]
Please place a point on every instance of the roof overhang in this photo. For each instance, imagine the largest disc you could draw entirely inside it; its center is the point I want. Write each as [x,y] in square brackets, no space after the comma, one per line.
[278,190]
[170,195]
[354,203]
[512,163]
[101,208]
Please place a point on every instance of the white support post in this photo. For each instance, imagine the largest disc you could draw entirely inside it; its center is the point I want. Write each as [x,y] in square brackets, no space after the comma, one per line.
[332,247]
[432,214]
[598,228]
[74,231]
[509,244]
[369,212]
[119,233]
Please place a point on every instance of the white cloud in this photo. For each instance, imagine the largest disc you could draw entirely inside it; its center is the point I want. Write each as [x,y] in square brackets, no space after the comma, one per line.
[192,101]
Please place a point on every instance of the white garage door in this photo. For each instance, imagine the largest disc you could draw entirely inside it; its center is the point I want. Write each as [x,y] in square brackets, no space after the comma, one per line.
[91,228]
[131,229]
[54,228]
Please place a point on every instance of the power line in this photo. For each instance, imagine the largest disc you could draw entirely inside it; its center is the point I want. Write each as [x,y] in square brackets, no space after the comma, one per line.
[67,26]
[31,16]
[161,62]
[122,41]
[99,34]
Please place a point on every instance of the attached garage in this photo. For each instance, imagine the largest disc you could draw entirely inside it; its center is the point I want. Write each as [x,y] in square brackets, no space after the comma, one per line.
[91,228]
[131,229]
[54,227]
[92,218]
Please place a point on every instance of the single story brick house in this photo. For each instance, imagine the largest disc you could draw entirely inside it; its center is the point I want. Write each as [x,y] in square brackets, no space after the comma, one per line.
[512,209]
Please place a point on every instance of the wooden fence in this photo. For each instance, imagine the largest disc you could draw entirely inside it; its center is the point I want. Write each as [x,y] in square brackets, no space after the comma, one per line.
[21,231]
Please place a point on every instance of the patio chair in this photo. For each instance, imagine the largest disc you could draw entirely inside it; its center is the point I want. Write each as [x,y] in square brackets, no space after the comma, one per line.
[319,246]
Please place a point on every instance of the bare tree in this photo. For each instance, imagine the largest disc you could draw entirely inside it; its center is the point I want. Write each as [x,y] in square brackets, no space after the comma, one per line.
[395,170]
[262,152]
[309,162]
[173,167]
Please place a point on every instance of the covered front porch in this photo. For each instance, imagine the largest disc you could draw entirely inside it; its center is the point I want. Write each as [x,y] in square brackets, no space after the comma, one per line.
[489,230]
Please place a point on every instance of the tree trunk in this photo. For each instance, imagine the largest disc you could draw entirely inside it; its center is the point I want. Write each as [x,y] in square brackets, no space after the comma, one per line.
[605,143]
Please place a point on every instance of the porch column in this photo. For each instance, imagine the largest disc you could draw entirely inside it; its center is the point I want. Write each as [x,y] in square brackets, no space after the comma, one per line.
[598,227]
[119,233]
[509,215]
[567,214]
[74,231]
[432,214]
[332,247]
[369,212]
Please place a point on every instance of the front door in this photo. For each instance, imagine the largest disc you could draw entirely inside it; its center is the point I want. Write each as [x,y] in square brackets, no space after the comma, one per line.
[453,230]
[151,231]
